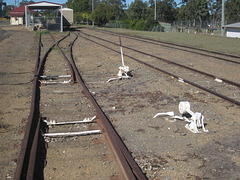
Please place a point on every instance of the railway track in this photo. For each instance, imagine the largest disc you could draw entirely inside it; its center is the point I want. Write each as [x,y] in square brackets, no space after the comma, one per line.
[207,53]
[219,86]
[161,148]
[57,107]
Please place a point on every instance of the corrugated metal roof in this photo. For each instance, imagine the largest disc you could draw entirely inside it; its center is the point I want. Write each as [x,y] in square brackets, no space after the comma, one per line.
[44,5]
[234,25]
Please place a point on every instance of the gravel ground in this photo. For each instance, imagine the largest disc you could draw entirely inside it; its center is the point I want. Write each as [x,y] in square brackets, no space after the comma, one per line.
[16,72]
[164,149]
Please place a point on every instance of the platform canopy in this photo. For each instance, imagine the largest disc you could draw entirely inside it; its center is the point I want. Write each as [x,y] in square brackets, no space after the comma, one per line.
[42,5]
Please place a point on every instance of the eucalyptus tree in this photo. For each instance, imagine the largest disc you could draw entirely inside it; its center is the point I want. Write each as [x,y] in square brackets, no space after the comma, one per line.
[194,10]
[137,10]
[80,5]
[118,8]
[102,14]
[232,11]
[166,10]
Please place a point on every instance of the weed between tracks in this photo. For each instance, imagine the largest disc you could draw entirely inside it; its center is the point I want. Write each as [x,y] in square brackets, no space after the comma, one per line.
[42,32]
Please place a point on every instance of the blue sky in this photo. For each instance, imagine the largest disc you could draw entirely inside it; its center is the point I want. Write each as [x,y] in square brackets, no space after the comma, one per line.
[11,2]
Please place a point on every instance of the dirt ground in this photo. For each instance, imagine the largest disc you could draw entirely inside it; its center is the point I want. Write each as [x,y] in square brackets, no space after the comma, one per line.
[18,52]
[163,149]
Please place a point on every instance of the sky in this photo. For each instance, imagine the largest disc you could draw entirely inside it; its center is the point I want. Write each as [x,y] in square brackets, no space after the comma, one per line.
[12,2]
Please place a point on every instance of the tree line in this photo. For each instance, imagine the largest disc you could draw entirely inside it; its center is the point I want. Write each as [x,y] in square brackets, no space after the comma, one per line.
[142,12]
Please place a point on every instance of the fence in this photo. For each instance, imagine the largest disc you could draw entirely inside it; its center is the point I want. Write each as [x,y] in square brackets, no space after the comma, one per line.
[213,27]
[206,27]
[166,27]
[50,23]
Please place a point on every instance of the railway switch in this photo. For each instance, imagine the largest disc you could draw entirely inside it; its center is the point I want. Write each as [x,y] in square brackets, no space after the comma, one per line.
[123,70]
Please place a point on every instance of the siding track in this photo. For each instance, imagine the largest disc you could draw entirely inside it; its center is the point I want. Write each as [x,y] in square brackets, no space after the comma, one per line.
[54,98]
[153,148]
[219,86]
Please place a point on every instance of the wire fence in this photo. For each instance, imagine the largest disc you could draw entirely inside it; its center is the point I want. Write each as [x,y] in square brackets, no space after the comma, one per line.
[50,23]
[204,27]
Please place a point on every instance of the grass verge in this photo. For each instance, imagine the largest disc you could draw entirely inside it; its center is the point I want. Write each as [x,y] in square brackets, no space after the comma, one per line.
[204,41]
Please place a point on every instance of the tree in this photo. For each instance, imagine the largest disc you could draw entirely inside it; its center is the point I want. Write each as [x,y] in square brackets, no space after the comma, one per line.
[217,9]
[117,6]
[80,17]
[80,5]
[202,11]
[7,9]
[24,2]
[232,11]
[137,10]
[194,10]
[166,10]
[182,13]
[102,14]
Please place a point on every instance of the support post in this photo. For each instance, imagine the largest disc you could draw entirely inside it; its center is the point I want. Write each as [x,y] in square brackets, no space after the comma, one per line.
[26,22]
[155,11]
[223,19]
[92,11]
[61,20]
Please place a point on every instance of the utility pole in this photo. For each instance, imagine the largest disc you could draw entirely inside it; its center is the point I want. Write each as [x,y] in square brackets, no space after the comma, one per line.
[92,11]
[155,11]
[223,19]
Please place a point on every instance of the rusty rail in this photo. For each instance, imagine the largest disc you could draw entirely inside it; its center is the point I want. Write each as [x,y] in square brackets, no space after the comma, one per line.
[169,62]
[26,167]
[65,57]
[27,156]
[128,166]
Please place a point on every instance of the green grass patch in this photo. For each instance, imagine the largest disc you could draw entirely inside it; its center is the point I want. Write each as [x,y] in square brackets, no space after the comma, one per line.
[53,32]
[54,48]
[42,32]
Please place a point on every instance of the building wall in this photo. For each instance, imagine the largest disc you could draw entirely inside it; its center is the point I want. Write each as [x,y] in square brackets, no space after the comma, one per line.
[233,32]
[16,21]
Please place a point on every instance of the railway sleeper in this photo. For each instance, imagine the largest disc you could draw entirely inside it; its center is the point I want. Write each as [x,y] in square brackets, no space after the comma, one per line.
[83,133]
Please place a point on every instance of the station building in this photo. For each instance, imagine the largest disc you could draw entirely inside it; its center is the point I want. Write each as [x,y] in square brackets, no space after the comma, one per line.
[36,16]
[17,16]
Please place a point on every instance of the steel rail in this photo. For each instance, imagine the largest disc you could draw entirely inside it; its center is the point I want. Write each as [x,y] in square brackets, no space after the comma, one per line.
[41,65]
[173,44]
[27,159]
[128,166]
[33,153]
[23,160]
[27,155]
[170,74]
[170,62]
[65,57]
